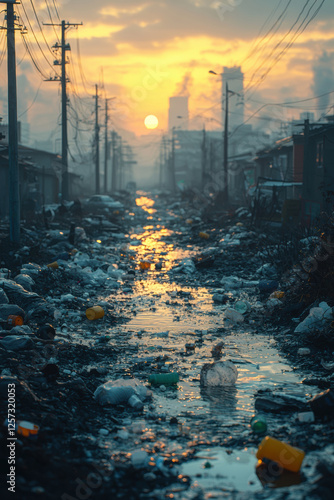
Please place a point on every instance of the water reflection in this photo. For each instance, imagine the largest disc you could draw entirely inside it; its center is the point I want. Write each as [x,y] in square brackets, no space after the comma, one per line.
[223,399]
[272,475]
[146,204]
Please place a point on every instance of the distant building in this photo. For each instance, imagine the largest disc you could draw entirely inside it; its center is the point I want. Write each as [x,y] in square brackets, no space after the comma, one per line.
[234,78]
[178,113]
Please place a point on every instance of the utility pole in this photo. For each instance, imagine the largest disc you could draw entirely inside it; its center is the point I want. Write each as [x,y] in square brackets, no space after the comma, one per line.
[121,164]
[204,154]
[106,149]
[13,160]
[172,167]
[114,165]
[161,163]
[63,79]
[225,157]
[97,142]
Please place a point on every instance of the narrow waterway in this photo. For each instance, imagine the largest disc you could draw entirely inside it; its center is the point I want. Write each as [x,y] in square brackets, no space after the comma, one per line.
[173,326]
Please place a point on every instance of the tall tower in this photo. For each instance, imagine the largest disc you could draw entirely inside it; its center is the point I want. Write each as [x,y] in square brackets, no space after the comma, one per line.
[178,113]
[235,80]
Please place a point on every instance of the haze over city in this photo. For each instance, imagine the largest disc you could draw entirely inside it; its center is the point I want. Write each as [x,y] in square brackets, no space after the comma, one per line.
[142,52]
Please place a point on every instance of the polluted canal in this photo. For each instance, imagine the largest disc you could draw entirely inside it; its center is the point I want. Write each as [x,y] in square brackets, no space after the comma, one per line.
[154,395]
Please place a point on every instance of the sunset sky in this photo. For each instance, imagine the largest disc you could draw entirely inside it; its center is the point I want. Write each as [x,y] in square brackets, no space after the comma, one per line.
[145,51]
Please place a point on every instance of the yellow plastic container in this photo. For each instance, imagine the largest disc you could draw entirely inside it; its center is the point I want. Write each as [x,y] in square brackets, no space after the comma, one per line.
[53,265]
[203,235]
[283,454]
[95,312]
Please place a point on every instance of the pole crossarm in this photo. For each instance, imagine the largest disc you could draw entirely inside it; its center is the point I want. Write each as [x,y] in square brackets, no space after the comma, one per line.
[65,192]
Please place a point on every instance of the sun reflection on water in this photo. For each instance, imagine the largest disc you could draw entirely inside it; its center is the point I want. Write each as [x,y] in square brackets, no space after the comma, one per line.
[146,204]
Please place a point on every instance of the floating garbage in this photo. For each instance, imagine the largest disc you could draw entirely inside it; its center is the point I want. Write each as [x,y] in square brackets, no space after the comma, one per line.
[233,315]
[120,391]
[164,379]
[259,424]
[219,298]
[218,374]
[145,265]
[286,456]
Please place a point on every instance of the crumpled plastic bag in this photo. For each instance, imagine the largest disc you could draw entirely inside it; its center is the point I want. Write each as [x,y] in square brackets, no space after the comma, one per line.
[234,283]
[3,297]
[19,296]
[218,374]
[17,342]
[317,319]
[120,391]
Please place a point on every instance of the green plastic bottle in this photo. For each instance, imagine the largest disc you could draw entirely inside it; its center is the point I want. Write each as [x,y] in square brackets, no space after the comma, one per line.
[164,379]
[258,424]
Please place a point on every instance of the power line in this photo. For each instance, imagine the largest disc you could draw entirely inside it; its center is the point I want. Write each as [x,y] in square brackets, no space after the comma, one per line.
[281,41]
[56,10]
[40,26]
[279,104]
[34,100]
[292,40]
[36,39]
[51,20]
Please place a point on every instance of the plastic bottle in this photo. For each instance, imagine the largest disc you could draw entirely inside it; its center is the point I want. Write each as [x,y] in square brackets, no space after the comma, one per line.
[95,312]
[258,424]
[135,402]
[288,457]
[164,379]
[15,320]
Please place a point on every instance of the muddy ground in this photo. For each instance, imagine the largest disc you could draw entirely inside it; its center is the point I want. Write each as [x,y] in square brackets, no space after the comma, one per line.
[162,319]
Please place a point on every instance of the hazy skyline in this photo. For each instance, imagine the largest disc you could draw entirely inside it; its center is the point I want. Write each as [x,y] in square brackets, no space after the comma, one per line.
[146,51]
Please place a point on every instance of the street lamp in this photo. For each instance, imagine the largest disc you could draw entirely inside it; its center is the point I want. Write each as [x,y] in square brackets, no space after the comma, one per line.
[225,136]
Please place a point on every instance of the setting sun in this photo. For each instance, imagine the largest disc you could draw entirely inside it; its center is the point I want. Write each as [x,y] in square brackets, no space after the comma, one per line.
[151,122]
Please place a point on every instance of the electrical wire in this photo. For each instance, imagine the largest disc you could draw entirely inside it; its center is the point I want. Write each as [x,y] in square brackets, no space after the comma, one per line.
[33,101]
[297,34]
[51,20]
[35,37]
[40,71]
[280,41]
[56,9]
[40,26]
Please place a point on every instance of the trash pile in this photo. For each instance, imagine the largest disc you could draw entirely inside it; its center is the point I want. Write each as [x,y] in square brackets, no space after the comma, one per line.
[137,343]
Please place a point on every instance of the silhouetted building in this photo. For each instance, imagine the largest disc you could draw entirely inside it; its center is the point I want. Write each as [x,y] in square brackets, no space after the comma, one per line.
[178,113]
